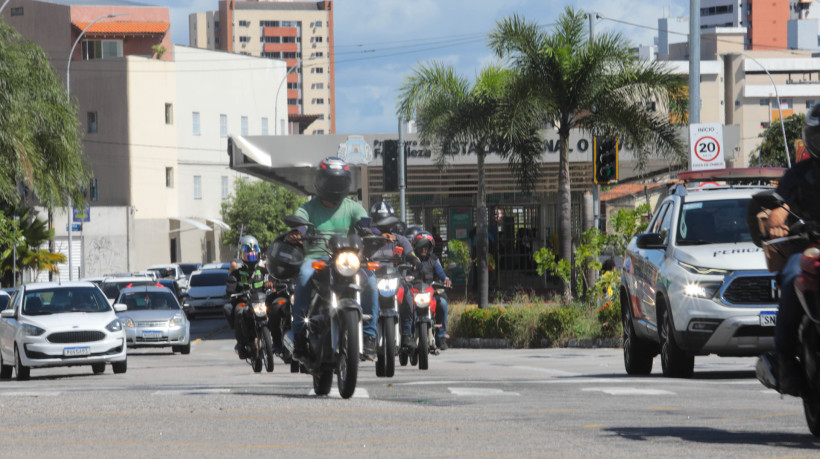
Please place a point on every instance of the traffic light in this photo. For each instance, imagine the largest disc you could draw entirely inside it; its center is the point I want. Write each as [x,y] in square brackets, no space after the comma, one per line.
[605,159]
[390,165]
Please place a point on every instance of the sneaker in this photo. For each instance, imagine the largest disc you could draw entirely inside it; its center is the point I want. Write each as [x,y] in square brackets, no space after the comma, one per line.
[300,348]
[369,347]
[790,378]
[407,341]
[242,351]
[441,343]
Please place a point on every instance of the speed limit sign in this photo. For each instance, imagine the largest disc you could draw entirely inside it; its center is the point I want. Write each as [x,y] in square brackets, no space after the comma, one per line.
[706,146]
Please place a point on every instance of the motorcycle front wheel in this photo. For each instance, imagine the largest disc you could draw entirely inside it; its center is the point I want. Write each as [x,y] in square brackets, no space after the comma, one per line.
[322,382]
[266,352]
[386,360]
[347,365]
[423,346]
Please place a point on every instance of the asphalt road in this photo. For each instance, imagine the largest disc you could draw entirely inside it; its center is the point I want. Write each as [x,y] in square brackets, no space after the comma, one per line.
[483,403]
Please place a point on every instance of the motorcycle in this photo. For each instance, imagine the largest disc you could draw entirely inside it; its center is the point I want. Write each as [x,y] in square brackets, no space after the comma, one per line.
[279,302]
[253,306]
[388,275]
[807,286]
[334,321]
[423,313]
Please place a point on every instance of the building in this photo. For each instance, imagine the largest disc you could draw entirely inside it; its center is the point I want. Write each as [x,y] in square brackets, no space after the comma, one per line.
[154,131]
[299,32]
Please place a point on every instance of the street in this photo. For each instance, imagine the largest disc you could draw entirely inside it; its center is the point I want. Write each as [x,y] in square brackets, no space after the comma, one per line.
[472,402]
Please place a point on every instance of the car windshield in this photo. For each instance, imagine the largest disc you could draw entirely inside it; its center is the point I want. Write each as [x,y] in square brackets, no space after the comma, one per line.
[209,278]
[143,301]
[64,299]
[713,222]
[112,288]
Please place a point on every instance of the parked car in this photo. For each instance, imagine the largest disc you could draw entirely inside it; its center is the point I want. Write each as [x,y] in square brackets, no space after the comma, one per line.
[154,318]
[187,269]
[695,284]
[206,292]
[111,286]
[54,324]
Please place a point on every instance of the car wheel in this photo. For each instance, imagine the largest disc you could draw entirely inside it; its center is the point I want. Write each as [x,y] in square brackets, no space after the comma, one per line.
[182,349]
[98,368]
[637,354]
[23,372]
[119,367]
[5,370]
[676,363]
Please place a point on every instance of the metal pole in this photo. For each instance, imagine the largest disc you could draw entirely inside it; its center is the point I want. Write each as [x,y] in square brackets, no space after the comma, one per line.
[276,99]
[4,5]
[779,111]
[694,61]
[14,253]
[402,185]
[595,190]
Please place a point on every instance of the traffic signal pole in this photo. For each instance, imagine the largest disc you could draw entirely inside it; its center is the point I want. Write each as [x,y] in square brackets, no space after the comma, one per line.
[402,185]
[596,204]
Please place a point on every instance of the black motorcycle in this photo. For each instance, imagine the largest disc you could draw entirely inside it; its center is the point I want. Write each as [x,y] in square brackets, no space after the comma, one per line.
[388,323]
[334,321]
[280,301]
[253,310]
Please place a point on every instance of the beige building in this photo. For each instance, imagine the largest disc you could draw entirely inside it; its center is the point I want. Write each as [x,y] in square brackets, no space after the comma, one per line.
[301,33]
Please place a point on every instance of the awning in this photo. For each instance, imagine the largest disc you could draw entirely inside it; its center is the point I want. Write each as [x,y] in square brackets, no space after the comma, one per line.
[197,225]
[123,28]
[219,223]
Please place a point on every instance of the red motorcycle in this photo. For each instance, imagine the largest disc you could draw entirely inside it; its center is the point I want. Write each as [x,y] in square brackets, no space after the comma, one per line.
[423,313]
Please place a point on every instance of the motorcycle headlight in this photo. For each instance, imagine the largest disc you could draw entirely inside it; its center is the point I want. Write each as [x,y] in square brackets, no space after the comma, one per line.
[177,321]
[126,322]
[114,326]
[260,309]
[422,300]
[32,330]
[347,263]
[701,289]
[702,270]
[388,287]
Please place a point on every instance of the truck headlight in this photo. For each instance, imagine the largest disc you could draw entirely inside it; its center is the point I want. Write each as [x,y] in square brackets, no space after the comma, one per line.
[702,270]
[701,289]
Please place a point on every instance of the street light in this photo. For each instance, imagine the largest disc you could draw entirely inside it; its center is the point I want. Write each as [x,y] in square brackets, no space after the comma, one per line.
[68,96]
[4,5]
[782,121]
[276,100]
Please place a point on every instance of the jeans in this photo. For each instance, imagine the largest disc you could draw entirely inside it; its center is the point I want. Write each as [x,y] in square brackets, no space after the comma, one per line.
[790,312]
[441,316]
[301,301]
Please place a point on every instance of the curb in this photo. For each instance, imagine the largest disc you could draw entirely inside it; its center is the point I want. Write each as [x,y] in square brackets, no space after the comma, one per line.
[500,343]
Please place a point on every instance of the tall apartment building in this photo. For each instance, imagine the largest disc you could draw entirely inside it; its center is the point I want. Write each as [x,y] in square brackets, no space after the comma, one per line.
[766,21]
[301,33]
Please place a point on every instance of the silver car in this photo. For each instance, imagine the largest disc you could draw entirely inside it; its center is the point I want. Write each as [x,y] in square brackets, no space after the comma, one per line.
[153,318]
[206,292]
[54,324]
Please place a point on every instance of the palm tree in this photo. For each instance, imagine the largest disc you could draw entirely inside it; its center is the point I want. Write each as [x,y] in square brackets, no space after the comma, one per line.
[31,233]
[453,116]
[597,85]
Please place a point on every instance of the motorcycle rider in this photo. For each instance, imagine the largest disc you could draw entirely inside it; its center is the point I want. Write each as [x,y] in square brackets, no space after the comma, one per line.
[332,213]
[800,188]
[248,276]
[431,269]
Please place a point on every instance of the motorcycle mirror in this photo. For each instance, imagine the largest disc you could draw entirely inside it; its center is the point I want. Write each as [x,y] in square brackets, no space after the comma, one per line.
[768,199]
[293,221]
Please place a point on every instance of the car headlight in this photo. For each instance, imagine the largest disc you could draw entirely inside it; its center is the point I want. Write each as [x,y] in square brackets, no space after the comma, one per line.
[126,322]
[114,326]
[347,263]
[702,270]
[177,321]
[422,300]
[701,289]
[388,287]
[260,309]
[32,330]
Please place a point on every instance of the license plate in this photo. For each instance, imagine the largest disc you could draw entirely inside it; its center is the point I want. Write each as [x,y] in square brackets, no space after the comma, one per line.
[151,334]
[768,318]
[75,351]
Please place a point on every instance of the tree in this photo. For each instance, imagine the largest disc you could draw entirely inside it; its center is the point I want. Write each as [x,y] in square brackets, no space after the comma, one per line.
[771,153]
[27,234]
[40,145]
[597,85]
[257,208]
[452,116]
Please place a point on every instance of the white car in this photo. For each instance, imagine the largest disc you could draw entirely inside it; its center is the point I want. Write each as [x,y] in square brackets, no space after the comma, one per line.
[54,324]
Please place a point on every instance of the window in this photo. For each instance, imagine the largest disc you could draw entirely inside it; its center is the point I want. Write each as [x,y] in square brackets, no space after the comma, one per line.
[809,104]
[17,11]
[195,120]
[764,102]
[317,86]
[101,49]
[321,117]
[92,122]
[293,85]
[244,23]
[292,101]
[244,39]
[317,24]
[169,177]
[224,187]
[317,70]
[317,54]
[169,114]
[197,187]
[244,125]
[264,126]
[94,190]
[319,131]
[316,39]
[319,101]
[223,125]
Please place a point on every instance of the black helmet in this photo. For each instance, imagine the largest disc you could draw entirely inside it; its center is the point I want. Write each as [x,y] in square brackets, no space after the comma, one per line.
[383,216]
[811,131]
[423,239]
[284,259]
[410,233]
[249,249]
[333,179]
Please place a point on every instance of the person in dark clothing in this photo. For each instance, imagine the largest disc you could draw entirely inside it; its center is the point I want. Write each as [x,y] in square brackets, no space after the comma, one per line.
[431,270]
[800,188]
[247,277]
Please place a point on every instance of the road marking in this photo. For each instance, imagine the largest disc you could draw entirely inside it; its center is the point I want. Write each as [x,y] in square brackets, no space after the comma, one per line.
[192,392]
[30,394]
[477,392]
[628,391]
[360,392]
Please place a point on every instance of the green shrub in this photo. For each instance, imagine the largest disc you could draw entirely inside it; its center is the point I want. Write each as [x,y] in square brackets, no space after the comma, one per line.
[557,323]
[609,316]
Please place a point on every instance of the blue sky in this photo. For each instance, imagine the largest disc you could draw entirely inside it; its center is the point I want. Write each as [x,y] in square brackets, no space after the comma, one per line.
[379,41]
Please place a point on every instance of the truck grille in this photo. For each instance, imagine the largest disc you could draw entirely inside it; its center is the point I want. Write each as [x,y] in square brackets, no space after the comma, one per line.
[751,290]
[76,337]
